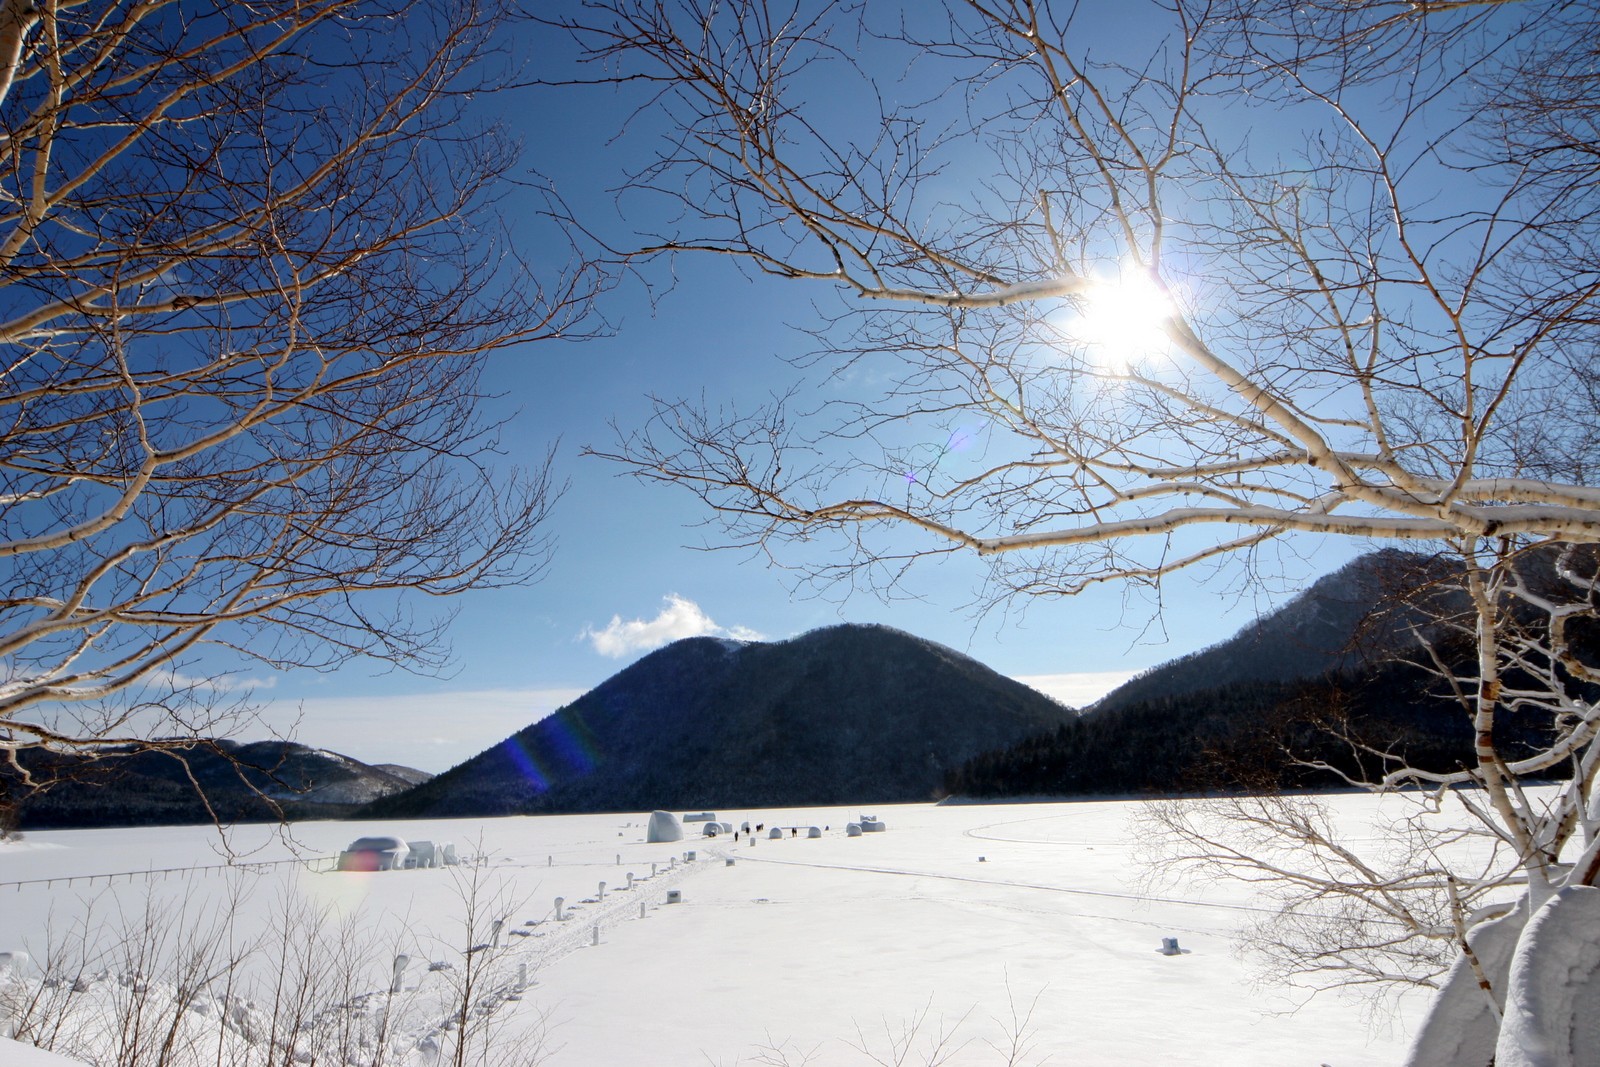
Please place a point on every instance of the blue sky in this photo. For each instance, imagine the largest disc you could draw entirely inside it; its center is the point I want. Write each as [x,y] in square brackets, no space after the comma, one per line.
[630,571]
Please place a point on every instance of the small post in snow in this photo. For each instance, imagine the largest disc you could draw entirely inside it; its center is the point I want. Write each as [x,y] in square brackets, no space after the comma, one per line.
[400,963]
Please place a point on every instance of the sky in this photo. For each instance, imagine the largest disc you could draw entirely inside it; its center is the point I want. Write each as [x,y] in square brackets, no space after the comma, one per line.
[635,566]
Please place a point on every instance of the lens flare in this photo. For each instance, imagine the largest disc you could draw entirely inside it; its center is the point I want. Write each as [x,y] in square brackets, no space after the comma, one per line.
[562,746]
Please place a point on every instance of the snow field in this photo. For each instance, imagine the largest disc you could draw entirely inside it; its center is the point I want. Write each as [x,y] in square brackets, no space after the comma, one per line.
[809,946]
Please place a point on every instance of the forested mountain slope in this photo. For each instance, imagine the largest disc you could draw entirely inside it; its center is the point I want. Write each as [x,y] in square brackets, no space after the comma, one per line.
[254,781]
[847,714]
[1337,677]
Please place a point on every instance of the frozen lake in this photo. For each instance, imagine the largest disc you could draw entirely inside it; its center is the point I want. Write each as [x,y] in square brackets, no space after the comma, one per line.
[965,915]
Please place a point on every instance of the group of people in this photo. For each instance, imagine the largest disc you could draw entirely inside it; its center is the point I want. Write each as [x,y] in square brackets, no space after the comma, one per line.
[794,831]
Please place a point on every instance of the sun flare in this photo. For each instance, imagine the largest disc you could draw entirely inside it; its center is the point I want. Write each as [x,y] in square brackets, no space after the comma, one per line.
[1119,322]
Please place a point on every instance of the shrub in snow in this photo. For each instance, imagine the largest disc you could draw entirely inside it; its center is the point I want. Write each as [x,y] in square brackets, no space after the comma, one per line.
[174,985]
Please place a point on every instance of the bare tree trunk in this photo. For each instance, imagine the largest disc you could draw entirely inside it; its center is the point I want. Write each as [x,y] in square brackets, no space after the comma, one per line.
[242,329]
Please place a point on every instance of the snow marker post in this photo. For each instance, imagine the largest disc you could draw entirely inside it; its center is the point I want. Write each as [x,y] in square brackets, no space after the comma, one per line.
[400,963]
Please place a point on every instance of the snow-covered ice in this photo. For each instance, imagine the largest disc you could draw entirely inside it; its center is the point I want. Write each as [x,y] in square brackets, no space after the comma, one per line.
[804,944]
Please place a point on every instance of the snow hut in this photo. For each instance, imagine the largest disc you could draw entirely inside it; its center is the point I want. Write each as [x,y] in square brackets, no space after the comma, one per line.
[871,825]
[774,833]
[852,829]
[664,826]
[422,854]
[374,854]
[700,816]
[711,829]
[815,831]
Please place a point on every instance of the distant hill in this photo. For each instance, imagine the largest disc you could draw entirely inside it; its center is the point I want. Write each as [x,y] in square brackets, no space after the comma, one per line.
[844,715]
[1348,620]
[243,782]
[1337,659]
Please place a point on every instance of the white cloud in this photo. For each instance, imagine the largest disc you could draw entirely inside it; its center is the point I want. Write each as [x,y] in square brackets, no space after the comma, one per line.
[217,683]
[1078,689]
[680,617]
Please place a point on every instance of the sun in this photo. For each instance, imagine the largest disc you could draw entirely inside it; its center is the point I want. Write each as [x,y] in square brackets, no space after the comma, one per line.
[1120,321]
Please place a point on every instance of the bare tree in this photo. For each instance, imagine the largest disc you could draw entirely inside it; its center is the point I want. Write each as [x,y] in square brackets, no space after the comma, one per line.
[1157,290]
[250,271]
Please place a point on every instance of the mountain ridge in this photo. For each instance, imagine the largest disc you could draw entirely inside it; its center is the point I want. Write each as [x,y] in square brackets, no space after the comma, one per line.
[857,713]
[241,781]
[1260,710]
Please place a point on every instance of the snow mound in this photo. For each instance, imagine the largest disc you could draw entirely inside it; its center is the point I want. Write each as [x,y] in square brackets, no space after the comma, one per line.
[1460,1027]
[16,1054]
[1552,1012]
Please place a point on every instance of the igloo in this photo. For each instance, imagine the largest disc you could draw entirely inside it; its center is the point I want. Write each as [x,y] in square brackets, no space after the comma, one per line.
[374,854]
[664,826]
